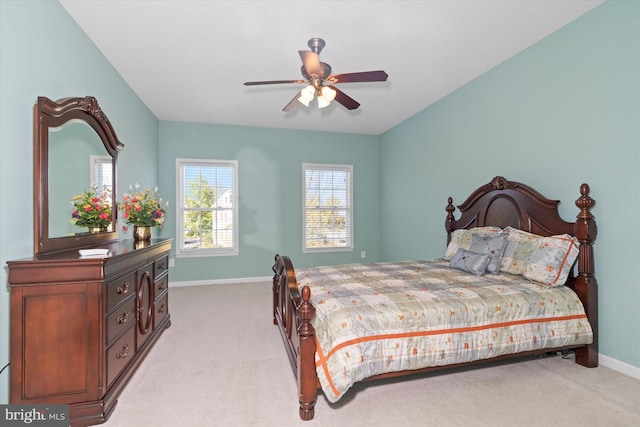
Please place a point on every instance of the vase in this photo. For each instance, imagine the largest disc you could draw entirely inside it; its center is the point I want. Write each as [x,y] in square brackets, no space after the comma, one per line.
[97,229]
[141,233]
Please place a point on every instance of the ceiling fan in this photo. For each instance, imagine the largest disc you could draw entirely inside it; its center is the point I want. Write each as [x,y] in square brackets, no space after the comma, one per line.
[319,80]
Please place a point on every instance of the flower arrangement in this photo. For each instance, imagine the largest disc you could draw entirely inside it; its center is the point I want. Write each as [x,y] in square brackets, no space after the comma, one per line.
[143,207]
[92,210]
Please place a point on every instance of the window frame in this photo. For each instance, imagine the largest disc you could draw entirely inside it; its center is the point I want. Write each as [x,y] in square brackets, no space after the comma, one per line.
[330,167]
[206,252]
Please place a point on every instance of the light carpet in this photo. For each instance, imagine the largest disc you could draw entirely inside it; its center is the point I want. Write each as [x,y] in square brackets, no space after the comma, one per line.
[222,363]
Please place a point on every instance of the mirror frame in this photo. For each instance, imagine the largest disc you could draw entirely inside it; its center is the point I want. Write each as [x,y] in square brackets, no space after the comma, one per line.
[53,114]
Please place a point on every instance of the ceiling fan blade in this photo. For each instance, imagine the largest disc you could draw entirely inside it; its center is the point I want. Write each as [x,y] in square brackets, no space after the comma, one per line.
[311,63]
[272,82]
[364,76]
[344,99]
[292,104]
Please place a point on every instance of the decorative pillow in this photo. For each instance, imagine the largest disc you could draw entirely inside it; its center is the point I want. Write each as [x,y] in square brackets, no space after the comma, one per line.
[491,244]
[462,238]
[470,262]
[518,251]
[551,263]
[546,260]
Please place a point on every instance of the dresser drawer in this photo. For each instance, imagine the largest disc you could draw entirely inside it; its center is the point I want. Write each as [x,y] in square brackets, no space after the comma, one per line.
[119,355]
[161,285]
[160,266]
[161,309]
[119,289]
[121,319]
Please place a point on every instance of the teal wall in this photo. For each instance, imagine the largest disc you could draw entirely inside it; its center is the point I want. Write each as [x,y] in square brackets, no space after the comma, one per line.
[270,192]
[563,112]
[44,53]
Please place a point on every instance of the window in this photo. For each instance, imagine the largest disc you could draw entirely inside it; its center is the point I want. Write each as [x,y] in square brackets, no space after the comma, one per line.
[207,207]
[101,172]
[327,209]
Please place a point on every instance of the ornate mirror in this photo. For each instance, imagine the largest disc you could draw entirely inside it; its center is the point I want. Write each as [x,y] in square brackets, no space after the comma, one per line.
[75,152]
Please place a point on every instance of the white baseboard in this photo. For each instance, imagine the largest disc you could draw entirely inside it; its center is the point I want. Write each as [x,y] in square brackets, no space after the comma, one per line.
[268,279]
[617,365]
[609,362]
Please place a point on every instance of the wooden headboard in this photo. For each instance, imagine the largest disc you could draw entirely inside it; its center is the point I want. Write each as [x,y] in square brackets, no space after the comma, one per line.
[504,203]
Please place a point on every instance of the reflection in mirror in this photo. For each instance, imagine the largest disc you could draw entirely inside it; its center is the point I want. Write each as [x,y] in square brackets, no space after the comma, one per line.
[73,149]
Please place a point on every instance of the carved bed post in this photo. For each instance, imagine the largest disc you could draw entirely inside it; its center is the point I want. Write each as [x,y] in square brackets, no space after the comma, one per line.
[276,276]
[307,379]
[448,224]
[586,285]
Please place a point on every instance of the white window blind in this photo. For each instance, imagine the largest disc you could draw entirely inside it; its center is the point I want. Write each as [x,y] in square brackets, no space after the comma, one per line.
[101,173]
[327,207]
[207,207]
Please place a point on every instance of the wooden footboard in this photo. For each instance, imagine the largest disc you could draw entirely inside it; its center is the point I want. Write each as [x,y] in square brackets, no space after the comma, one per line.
[292,313]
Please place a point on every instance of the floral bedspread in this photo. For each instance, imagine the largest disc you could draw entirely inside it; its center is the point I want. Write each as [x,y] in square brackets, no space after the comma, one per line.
[385,317]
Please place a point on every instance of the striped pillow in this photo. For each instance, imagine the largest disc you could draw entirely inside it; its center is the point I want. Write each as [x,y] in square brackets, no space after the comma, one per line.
[545,260]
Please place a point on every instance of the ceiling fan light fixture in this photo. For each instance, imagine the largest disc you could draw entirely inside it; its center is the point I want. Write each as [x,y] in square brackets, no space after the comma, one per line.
[306,95]
[325,96]
[328,93]
[303,101]
[323,102]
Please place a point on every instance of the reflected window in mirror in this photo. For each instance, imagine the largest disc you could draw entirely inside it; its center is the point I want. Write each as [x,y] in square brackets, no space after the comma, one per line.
[101,173]
[102,178]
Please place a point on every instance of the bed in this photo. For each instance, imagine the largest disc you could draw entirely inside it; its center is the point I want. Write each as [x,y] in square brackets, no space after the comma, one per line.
[516,280]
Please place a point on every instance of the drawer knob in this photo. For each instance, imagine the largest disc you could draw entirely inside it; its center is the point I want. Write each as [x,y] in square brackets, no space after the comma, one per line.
[162,308]
[124,353]
[123,318]
[121,290]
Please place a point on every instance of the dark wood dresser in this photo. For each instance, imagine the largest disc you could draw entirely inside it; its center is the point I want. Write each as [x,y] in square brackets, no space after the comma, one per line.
[81,326]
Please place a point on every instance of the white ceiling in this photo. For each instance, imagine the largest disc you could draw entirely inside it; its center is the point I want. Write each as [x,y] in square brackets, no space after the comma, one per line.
[188,60]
